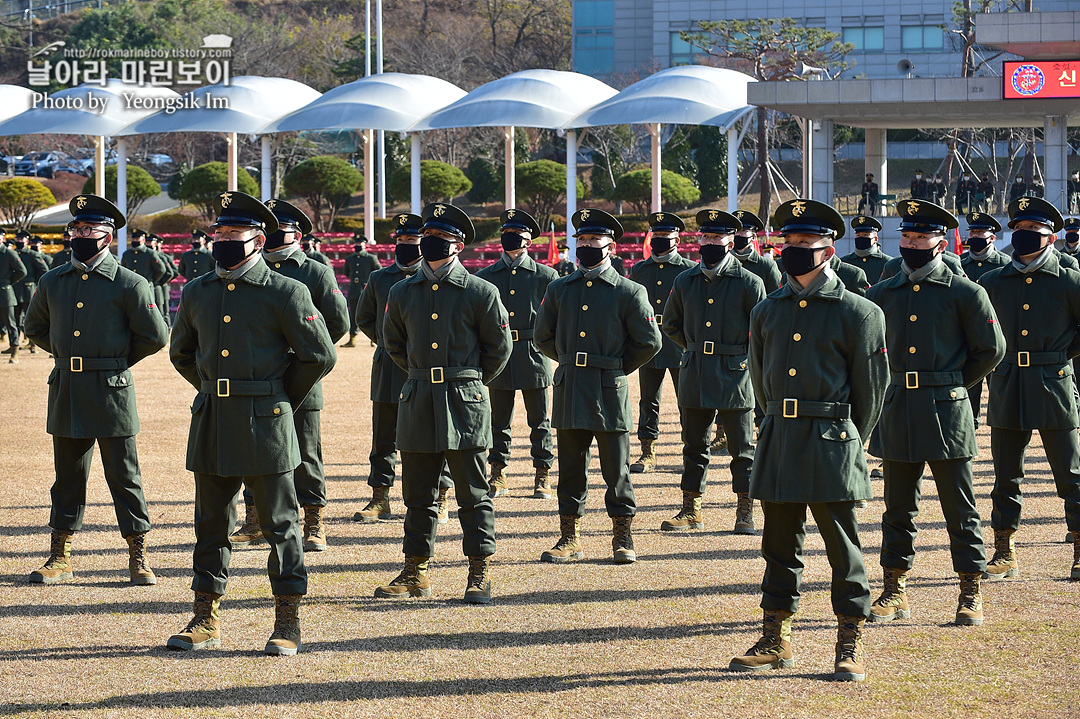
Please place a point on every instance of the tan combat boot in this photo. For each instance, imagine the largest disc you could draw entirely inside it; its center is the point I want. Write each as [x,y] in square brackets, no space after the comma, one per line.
[138,567]
[204,629]
[1075,574]
[541,484]
[689,517]
[849,665]
[568,548]
[773,650]
[378,508]
[412,582]
[314,529]
[969,611]
[14,352]
[250,532]
[647,461]
[892,604]
[498,480]
[719,443]
[622,542]
[443,505]
[744,514]
[1004,563]
[478,586]
[351,342]
[57,567]
[286,637]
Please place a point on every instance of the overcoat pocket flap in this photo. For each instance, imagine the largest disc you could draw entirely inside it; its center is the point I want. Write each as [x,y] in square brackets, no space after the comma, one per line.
[271,407]
[837,430]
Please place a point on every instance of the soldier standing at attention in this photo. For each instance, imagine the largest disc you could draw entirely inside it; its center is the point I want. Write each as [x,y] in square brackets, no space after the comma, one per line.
[1072,193]
[162,288]
[919,187]
[197,261]
[752,261]
[282,254]
[817,361]
[142,260]
[981,257]
[708,315]
[36,266]
[310,246]
[564,266]
[966,189]
[868,195]
[11,271]
[97,320]
[358,268]
[387,379]
[867,256]
[63,256]
[448,331]
[599,327]
[1072,238]
[986,189]
[657,274]
[522,283]
[1038,302]
[943,336]
[1017,189]
[253,344]
[938,190]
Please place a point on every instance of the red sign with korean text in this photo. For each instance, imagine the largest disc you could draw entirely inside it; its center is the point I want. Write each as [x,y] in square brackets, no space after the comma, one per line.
[1041,79]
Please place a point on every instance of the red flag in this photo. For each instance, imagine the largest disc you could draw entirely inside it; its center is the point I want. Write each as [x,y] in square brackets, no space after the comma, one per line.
[646,246]
[958,246]
[553,249]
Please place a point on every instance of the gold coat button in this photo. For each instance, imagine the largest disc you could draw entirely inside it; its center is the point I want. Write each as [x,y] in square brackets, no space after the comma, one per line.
[435,287]
[401,396]
[79,305]
[584,307]
[513,272]
[1028,280]
[589,283]
[582,334]
[227,319]
[913,318]
[1023,332]
[915,288]
[797,337]
[513,292]
[277,264]
[479,396]
[802,303]
[77,333]
[86,277]
[911,350]
[708,324]
[224,353]
[659,282]
[843,435]
[952,394]
[511,314]
[980,264]
[659,301]
[277,410]
[711,300]
[1061,373]
[434,315]
[231,287]
[434,345]
[1027,307]
[661,267]
[791,372]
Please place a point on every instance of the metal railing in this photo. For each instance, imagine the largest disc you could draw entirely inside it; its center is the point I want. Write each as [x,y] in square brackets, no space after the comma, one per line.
[44,9]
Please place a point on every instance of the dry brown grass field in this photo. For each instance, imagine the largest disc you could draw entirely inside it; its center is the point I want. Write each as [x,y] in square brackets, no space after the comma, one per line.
[590,639]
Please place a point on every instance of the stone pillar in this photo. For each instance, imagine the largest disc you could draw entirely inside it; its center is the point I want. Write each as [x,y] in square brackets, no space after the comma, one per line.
[821,156]
[877,162]
[1054,160]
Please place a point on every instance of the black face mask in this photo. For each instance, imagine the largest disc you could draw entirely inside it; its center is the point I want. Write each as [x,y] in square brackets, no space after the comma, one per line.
[358,248]
[661,245]
[406,254]
[84,248]
[1027,242]
[1072,238]
[741,243]
[978,244]
[231,253]
[590,256]
[305,246]
[434,248]
[66,244]
[511,241]
[799,261]
[275,240]
[711,254]
[20,244]
[916,258]
[196,245]
[863,242]
[136,244]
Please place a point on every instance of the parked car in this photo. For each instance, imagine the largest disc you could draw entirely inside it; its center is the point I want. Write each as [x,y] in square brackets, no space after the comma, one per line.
[158,164]
[47,164]
[84,156]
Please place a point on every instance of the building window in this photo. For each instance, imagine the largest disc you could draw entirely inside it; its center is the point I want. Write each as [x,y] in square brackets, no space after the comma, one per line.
[682,52]
[925,38]
[594,39]
[866,39]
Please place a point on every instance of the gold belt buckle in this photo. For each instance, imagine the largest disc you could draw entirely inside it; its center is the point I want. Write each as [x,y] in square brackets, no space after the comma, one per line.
[911,380]
[581,359]
[708,348]
[794,411]
[514,336]
[1023,359]
[76,364]
[223,389]
[437,372]
[659,320]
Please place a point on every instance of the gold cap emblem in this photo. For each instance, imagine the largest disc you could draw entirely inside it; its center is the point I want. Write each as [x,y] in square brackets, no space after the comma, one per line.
[80,202]
[974,215]
[1024,202]
[860,219]
[798,207]
[440,210]
[739,214]
[226,198]
[713,214]
[510,214]
[584,214]
[270,204]
[658,217]
[401,219]
[912,208]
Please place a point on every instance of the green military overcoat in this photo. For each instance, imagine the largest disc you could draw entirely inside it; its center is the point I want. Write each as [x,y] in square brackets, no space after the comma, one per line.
[871,265]
[196,263]
[711,321]
[100,322]
[657,277]
[436,330]
[36,265]
[975,267]
[827,348]
[763,266]
[386,377]
[62,257]
[262,333]
[943,337]
[358,268]
[598,331]
[522,290]
[145,263]
[12,270]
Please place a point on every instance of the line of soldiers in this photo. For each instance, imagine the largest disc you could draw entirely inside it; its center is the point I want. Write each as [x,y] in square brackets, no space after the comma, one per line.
[821,358]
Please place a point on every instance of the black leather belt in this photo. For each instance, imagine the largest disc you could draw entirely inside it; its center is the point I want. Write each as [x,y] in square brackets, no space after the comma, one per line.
[90,364]
[584,359]
[717,348]
[915,380]
[438,375]
[791,408]
[242,387]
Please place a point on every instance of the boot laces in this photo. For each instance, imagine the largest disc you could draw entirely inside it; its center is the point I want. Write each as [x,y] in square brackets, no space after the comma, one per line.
[478,571]
[848,640]
[744,512]
[138,551]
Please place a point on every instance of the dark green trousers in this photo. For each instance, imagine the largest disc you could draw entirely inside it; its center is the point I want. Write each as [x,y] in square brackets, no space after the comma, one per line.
[215,517]
[573,486]
[8,325]
[1009,447]
[956,491]
[781,546]
[651,382]
[383,455]
[975,398]
[20,314]
[120,461]
[161,296]
[696,427]
[309,479]
[537,414]
[352,301]
[421,474]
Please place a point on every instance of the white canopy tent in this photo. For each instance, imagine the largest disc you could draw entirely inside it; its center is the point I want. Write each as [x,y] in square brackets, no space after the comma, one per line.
[389,101]
[548,99]
[14,100]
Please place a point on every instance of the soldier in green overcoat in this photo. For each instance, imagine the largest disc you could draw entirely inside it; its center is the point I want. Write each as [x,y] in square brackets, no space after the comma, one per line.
[97,320]
[12,271]
[1038,303]
[708,315]
[143,261]
[63,256]
[449,332]
[387,379]
[253,345]
[310,245]
[744,251]
[197,261]
[1071,245]
[943,337]
[522,283]
[282,254]
[817,361]
[599,327]
[867,256]
[657,274]
[36,265]
[162,288]
[358,268]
